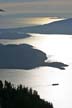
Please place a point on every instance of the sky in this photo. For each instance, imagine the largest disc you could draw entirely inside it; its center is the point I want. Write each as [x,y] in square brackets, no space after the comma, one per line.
[62,8]
[15,9]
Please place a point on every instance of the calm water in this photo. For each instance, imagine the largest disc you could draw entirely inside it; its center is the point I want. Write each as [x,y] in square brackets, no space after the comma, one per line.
[57,48]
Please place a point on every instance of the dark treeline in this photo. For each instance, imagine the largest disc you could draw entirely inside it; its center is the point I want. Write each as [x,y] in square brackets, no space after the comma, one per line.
[20,97]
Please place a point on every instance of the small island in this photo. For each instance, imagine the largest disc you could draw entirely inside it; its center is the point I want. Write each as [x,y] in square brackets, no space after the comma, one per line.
[20,97]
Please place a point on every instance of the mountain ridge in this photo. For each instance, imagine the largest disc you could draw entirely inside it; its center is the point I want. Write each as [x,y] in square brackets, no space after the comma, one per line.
[58,27]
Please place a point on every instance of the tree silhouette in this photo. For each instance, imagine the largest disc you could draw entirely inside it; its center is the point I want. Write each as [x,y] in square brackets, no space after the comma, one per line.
[20,97]
[1,84]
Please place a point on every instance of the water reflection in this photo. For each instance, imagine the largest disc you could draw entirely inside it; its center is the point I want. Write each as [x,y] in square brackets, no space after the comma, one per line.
[58,48]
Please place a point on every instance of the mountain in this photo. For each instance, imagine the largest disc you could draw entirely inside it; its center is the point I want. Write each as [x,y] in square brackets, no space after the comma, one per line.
[24,56]
[6,34]
[57,27]
[20,97]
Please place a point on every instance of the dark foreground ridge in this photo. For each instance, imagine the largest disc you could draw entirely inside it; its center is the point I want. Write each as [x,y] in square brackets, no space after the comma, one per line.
[20,97]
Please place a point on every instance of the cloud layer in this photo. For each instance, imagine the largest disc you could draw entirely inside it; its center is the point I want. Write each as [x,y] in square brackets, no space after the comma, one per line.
[28,6]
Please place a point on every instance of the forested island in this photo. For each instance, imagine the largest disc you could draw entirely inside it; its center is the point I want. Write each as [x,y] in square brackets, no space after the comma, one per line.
[20,97]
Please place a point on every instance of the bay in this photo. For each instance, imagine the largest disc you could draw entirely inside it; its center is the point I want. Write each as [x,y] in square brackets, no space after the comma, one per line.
[57,48]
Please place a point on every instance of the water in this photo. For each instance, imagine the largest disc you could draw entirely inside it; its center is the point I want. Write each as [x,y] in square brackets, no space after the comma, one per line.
[57,48]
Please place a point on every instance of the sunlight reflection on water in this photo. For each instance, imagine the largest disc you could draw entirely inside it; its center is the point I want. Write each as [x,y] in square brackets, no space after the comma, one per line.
[57,48]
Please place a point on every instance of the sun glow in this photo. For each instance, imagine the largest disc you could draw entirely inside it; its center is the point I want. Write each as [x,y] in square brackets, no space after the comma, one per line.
[38,20]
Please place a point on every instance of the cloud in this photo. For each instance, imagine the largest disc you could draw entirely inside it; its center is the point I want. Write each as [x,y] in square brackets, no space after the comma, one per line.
[51,7]
[21,0]
[62,8]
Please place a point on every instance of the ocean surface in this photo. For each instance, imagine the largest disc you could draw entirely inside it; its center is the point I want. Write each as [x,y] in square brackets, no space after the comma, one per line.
[57,49]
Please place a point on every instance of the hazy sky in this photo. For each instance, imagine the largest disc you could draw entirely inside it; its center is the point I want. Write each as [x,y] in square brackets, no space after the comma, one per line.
[16,9]
[43,7]
[20,0]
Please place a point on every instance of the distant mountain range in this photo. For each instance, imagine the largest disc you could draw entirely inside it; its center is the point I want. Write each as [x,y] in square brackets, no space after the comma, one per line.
[10,34]
[57,27]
